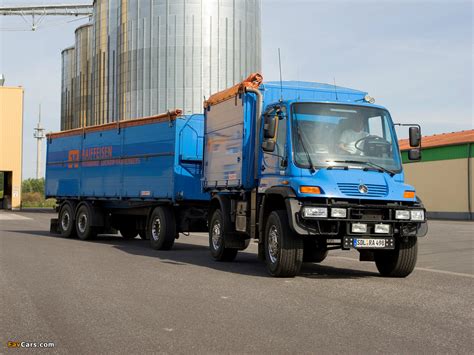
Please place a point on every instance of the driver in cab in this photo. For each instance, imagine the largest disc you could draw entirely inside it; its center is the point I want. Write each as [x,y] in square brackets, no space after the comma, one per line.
[351,136]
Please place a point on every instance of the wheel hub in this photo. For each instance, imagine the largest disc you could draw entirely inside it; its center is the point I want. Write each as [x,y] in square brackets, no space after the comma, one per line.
[216,236]
[273,244]
[156,229]
[82,223]
[65,220]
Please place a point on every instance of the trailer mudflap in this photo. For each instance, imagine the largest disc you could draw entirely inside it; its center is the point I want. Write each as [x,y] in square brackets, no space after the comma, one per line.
[54,226]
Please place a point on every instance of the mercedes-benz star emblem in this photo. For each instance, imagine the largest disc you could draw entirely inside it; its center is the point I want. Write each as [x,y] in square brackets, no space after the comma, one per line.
[363,189]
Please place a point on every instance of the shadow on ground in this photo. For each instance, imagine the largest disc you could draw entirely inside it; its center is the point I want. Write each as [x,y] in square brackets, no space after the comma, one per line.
[192,254]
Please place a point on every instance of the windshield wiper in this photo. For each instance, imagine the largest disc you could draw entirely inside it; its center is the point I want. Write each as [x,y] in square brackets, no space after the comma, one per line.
[311,165]
[368,163]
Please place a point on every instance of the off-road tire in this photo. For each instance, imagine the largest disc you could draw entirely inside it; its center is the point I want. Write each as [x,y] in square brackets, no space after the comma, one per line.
[399,262]
[287,260]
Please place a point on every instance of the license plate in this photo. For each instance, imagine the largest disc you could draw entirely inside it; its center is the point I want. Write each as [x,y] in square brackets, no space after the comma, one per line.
[373,243]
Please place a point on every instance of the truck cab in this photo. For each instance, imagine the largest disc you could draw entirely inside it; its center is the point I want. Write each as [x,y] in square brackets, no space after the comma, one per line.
[305,168]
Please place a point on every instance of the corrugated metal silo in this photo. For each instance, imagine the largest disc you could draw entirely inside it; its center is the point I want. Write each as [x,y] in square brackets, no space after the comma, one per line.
[178,51]
[100,39]
[152,56]
[67,88]
[83,77]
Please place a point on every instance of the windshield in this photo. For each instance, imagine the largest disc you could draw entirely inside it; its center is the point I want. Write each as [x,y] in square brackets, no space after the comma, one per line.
[327,135]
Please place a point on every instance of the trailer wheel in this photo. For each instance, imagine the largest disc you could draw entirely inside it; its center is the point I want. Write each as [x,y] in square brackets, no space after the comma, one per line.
[161,229]
[399,262]
[128,232]
[283,249]
[313,254]
[216,239]
[66,221]
[83,223]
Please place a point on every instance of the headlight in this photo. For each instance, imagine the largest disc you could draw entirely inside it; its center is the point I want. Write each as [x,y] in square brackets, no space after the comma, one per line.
[359,228]
[402,214]
[338,212]
[417,215]
[315,212]
[382,228]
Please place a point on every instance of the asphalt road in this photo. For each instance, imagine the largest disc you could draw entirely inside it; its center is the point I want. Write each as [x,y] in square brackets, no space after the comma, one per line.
[118,296]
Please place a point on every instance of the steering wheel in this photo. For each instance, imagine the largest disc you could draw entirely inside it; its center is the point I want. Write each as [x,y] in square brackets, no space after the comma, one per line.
[373,140]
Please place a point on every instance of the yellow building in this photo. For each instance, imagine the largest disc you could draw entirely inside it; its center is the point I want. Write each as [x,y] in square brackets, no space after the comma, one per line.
[11,141]
[444,178]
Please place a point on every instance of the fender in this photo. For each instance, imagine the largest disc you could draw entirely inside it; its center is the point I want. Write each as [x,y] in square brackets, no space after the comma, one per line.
[291,205]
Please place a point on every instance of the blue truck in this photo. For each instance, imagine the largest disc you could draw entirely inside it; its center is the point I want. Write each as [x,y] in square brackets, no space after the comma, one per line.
[301,168]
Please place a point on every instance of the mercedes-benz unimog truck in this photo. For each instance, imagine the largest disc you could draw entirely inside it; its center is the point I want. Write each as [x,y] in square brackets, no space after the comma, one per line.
[305,168]
[301,168]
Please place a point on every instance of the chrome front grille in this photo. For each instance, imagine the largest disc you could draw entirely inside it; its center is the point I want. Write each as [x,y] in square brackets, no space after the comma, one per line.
[373,190]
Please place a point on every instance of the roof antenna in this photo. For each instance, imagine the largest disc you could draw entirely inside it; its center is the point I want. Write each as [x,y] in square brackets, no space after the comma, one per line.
[281,78]
[335,88]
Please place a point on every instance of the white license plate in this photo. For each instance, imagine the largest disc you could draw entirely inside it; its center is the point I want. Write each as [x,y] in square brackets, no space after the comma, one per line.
[368,243]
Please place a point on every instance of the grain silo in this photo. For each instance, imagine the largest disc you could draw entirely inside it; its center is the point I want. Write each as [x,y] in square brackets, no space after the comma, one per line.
[149,56]
[67,88]
[83,77]
[175,52]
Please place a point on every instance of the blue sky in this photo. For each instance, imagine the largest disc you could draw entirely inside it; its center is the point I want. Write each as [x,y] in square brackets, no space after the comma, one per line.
[414,57]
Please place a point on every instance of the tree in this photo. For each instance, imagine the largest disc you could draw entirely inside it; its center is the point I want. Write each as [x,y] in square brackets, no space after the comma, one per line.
[33,185]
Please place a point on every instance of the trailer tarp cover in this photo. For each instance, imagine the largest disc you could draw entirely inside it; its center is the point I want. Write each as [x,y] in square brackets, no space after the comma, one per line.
[253,81]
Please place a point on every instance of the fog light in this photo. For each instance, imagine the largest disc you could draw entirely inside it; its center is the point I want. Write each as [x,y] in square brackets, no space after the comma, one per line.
[417,215]
[382,228]
[315,212]
[338,212]
[359,228]
[402,214]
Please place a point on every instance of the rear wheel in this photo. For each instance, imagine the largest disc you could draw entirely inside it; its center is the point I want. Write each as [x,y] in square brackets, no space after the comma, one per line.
[83,223]
[161,228]
[66,221]
[313,254]
[283,249]
[128,232]
[399,262]
[216,239]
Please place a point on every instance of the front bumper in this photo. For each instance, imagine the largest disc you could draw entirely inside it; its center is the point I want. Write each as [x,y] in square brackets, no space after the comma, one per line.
[370,214]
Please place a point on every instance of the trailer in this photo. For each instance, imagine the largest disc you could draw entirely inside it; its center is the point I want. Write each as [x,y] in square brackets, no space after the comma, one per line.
[142,177]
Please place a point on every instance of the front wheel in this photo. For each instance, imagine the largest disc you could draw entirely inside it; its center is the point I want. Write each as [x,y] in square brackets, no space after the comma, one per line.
[399,262]
[312,253]
[216,239]
[283,249]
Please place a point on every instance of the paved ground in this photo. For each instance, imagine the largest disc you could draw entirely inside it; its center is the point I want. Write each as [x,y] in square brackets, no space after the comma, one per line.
[118,296]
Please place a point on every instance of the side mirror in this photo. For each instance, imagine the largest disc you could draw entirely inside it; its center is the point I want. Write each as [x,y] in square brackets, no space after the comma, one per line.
[414,154]
[270,127]
[415,136]
[268,145]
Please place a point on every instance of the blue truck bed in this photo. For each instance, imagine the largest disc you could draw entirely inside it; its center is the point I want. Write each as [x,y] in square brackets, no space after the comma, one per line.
[146,159]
